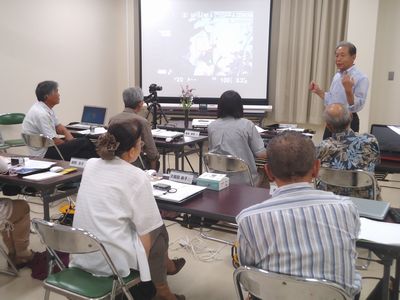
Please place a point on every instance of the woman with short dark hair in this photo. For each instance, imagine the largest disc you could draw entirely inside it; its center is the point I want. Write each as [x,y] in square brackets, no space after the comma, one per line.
[231,134]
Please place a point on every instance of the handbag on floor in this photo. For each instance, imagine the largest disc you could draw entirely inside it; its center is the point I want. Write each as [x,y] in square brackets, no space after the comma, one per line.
[40,267]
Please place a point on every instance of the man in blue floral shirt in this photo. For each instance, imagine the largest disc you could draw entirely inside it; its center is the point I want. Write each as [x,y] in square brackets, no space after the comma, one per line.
[346,149]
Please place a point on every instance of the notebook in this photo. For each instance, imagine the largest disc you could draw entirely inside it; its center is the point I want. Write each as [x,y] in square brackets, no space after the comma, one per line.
[179,192]
[91,116]
[371,209]
[388,137]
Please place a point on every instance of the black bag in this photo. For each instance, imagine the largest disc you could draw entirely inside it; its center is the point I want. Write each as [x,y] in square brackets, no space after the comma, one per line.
[39,264]
[145,290]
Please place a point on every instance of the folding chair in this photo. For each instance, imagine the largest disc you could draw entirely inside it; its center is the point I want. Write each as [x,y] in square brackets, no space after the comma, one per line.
[347,180]
[267,285]
[344,182]
[75,282]
[228,164]
[40,141]
[12,119]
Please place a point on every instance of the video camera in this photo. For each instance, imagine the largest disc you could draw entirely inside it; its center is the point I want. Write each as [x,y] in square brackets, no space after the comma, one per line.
[154,87]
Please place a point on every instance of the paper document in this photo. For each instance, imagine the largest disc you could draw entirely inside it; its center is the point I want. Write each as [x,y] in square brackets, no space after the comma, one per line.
[259,129]
[38,164]
[42,176]
[164,134]
[291,129]
[395,129]
[97,130]
[179,192]
[379,232]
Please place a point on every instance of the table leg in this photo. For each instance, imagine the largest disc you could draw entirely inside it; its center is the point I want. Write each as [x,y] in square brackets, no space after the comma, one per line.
[163,161]
[207,237]
[183,158]
[49,196]
[387,262]
[201,158]
[176,160]
[46,206]
[396,285]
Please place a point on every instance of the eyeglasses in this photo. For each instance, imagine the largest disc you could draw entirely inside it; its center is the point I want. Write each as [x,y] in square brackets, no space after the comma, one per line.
[141,144]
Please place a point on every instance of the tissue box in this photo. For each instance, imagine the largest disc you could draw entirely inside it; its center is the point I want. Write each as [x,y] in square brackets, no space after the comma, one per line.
[213,181]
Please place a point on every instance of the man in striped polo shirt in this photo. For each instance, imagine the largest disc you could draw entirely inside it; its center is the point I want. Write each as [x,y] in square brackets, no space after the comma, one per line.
[300,231]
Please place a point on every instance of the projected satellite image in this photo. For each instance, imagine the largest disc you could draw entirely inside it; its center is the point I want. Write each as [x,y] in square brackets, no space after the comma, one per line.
[221,44]
[212,46]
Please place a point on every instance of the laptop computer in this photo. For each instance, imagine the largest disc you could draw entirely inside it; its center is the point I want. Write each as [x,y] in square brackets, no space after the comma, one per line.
[371,209]
[91,116]
[388,137]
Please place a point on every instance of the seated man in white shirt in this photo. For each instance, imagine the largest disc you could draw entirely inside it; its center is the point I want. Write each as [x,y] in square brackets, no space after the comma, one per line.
[300,231]
[41,119]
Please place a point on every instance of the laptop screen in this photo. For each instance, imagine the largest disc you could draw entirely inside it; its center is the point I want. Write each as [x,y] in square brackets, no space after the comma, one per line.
[388,139]
[93,115]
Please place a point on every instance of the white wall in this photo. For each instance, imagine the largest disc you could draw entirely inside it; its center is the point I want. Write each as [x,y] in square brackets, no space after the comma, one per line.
[385,106]
[80,44]
[374,28]
[362,23]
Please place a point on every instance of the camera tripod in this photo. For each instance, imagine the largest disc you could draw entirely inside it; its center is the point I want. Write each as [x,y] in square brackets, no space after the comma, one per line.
[155,109]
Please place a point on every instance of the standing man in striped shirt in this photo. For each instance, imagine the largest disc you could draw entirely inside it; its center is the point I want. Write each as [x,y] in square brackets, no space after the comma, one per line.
[300,231]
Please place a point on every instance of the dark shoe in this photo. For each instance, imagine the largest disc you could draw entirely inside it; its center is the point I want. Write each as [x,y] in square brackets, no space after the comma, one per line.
[179,263]
[23,261]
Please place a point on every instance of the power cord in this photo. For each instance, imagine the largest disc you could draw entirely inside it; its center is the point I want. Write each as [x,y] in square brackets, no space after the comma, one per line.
[198,248]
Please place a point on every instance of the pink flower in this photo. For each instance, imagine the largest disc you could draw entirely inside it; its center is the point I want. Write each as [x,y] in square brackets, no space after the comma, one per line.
[187,97]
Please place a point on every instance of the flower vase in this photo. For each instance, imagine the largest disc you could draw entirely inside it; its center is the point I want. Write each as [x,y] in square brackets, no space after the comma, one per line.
[186,120]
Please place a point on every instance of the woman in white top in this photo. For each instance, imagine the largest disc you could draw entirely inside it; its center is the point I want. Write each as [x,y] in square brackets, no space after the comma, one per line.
[231,134]
[115,202]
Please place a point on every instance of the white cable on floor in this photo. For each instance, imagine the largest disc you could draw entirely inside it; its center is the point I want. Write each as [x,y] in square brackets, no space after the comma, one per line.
[198,248]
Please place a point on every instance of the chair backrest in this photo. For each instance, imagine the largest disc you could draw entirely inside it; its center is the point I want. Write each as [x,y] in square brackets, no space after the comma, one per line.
[71,240]
[226,164]
[11,118]
[267,285]
[351,179]
[40,141]
[65,238]
[37,140]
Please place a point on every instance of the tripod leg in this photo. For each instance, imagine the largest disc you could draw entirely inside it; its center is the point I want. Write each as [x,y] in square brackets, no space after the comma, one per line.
[162,114]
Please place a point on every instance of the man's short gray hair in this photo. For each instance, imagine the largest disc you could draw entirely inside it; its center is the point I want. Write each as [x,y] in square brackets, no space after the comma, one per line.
[337,116]
[291,155]
[132,97]
[348,45]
